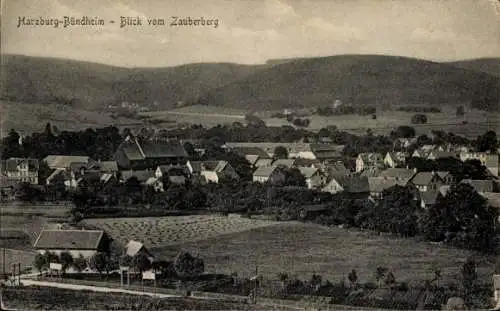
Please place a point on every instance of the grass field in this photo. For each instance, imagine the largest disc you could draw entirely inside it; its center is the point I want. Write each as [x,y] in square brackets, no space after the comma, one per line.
[162,231]
[303,249]
[478,122]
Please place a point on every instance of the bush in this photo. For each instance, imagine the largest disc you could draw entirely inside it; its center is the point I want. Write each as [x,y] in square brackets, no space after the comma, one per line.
[187,266]
[419,119]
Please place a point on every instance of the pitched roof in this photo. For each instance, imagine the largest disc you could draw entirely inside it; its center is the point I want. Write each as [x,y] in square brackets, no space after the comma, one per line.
[438,154]
[104,166]
[10,165]
[443,174]
[423,178]
[142,176]
[308,172]
[398,156]
[56,173]
[254,151]
[493,198]
[63,161]
[133,247]
[371,172]
[269,147]
[252,159]
[216,166]
[429,197]
[264,162]
[337,169]
[69,239]
[379,184]
[371,157]
[353,184]
[491,160]
[264,171]
[140,150]
[284,162]
[480,185]
[398,173]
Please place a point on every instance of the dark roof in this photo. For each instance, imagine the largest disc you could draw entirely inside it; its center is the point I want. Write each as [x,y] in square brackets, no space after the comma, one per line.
[337,169]
[398,173]
[199,166]
[244,151]
[104,166]
[353,183]
[140,150]
[379,184]
[264,171]
[142,176]
[423,178]
[10,165]
[77,166]
[429,197]
[69,239]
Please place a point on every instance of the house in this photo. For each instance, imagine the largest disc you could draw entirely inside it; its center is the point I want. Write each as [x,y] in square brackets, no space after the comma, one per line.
[443,190]
[212,171]
[77,242]
[133,154]
[142,176]
[395,159]
[438,154]
[324,152]
[355,186]
[251,154]
[429,198]
[377,185]
[135,248]
[270,174]
[446,177]
[480,186]
[307,162]
[490,161]
[425,181]
[314,177]
[402,175]
[336,169]
[369,160]
[424,151]
[103,166]
[263,162]
[176,174]
[63,161]
[20,170]
[287,163]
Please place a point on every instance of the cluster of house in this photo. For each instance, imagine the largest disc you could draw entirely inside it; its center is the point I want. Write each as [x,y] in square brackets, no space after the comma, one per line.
[84,243]
[151,162]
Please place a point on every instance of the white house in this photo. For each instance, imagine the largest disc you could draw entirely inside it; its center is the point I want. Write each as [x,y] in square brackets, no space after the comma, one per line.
[270,174]
[369,160]
[212,171]
[20,170]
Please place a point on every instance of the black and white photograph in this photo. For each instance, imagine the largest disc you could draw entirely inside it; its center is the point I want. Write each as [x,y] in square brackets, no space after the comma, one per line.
[249,155]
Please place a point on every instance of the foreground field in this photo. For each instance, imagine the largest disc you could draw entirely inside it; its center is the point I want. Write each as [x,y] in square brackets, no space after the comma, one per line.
[47,298]
[162,231]
[303,249]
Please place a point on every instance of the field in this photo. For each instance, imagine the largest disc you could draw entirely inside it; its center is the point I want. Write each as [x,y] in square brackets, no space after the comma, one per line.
[303,249]
[47,298]
[235,244]
[157,232]
[477,122]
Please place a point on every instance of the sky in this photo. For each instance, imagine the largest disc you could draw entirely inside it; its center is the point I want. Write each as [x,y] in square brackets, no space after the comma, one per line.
[254,31]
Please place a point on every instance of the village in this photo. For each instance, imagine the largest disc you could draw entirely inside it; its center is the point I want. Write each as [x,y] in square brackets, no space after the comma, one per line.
[309,180]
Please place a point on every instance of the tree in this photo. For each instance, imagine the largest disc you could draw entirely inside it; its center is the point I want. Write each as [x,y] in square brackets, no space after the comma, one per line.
[80,263]
[380,274]
[390,279]
[315,282]
[460,111]
[469,276]
[98,262]
[403,131]
[353,278]
[487,142]
[141,262]
[293,177]
[280,152]
[41,262]
[66,261]
[187,266]
[419,119]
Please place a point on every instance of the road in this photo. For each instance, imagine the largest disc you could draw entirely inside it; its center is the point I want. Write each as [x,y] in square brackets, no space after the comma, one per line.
[28,282]
[201,114]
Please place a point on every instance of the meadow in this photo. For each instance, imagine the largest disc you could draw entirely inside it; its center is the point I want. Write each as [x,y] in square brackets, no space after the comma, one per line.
[233,244]
[474,123]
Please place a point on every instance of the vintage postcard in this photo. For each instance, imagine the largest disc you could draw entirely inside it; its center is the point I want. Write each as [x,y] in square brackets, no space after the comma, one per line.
[250,155]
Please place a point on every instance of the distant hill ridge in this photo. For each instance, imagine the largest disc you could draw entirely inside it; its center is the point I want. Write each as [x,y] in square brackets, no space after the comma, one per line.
[299,82]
